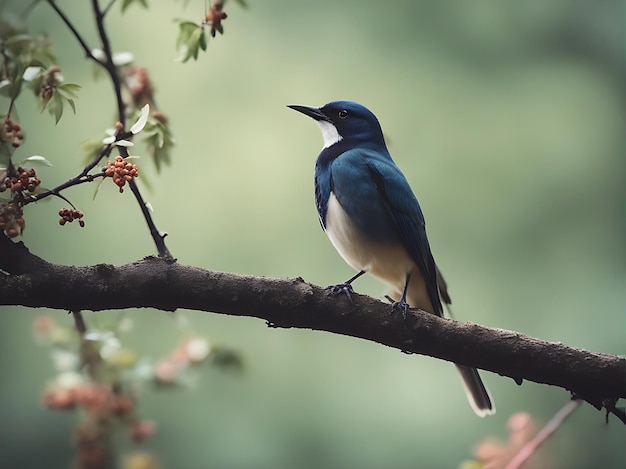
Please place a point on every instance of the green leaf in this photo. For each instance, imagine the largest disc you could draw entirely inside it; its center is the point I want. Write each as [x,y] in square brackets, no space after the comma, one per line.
[56,108]
[18,41]
[194,41]
[202,41]
[191,38]
[72,105]
[90,148]
[127,3]
[68,90]
[95,192]
[15,78]
[186,29]
[5,88]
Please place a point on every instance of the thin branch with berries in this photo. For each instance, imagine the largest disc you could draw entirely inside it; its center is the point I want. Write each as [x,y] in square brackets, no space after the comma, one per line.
[120,175]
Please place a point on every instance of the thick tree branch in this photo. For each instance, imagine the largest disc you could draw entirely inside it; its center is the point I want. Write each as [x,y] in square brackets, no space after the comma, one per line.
[166,285]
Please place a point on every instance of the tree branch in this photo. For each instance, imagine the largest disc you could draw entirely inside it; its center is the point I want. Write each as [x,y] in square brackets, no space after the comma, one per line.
[112,71]
[74,31]
[166,285]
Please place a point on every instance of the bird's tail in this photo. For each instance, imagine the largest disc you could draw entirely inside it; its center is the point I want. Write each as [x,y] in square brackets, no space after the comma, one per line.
[477,394]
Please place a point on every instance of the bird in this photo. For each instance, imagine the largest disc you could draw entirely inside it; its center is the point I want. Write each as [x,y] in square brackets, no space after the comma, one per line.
[373,219]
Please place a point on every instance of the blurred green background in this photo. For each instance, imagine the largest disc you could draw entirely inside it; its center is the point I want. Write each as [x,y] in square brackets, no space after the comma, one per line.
[508,120]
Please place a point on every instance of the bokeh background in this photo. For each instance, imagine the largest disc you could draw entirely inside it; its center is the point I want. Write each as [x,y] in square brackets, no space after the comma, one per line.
[506,117]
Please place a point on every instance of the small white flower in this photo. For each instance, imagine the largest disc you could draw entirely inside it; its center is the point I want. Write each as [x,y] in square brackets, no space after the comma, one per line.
[110,347]
[65,360]
[198,349]
[37,159]
[98,54]
[30,73]
[122,58]
[125,324]
[141,122]
[69,379]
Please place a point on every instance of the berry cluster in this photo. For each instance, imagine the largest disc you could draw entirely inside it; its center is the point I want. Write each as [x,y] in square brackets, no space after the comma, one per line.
[121,171]
[21,180]
[100,400]
[69,215]
[11,220]
[140,86]
[215,16]
[11,132]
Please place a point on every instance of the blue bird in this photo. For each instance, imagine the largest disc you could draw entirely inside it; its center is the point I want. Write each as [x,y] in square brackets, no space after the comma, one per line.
[373,219]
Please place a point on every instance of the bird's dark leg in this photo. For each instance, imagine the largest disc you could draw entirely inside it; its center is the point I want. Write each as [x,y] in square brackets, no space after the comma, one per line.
[402,305]
[345,287]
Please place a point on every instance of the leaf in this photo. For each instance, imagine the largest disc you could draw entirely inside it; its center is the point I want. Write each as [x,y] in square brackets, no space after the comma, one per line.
[141,122]
[191,38]
[72,105]
[186,29]
[18,40]
[195,40]
[16,80]
[5,89]
[36,160]
[57,107]
[90,148]
[95,192]
[68,90]
[202,41]
[127,3]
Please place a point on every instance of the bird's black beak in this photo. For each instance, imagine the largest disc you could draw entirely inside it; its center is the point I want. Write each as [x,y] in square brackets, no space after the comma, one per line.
[312,112]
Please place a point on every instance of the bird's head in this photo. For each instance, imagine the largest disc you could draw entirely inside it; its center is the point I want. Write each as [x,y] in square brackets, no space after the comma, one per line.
[345,120]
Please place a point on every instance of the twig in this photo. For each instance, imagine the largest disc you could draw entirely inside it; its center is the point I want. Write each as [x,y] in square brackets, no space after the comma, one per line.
[112,71]
[108,62]
[56,191]
[79,322]
[159,239]
[28,9]
[106,9]
[74,31]
[531,446]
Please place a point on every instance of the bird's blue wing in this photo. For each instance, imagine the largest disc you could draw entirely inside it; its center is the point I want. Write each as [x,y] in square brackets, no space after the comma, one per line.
[322,194]
[408,219]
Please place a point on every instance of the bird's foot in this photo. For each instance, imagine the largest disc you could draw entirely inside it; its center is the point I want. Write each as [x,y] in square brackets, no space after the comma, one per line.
[343,288]
[401,307]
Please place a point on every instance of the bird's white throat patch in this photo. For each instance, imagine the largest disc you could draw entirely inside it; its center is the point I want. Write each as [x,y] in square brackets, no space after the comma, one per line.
[329,133]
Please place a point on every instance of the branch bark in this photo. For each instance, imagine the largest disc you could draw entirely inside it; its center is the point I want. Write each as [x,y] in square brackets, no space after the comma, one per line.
[164,284]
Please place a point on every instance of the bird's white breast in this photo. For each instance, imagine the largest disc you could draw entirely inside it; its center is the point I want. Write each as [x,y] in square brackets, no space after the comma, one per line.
[389,262]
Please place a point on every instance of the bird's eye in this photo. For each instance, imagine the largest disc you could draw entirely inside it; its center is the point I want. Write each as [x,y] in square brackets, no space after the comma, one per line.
[343,114]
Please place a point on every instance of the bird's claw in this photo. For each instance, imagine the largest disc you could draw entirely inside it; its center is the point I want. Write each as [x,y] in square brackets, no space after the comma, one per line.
[400,306]
[344,288]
